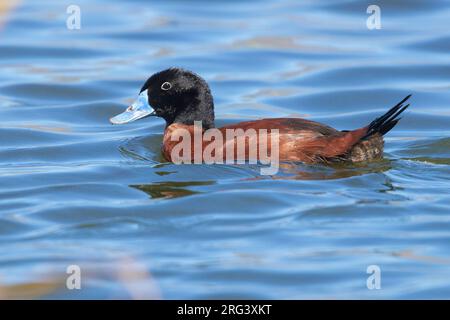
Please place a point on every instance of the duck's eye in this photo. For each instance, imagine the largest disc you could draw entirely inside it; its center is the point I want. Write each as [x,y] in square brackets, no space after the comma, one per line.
[166,86]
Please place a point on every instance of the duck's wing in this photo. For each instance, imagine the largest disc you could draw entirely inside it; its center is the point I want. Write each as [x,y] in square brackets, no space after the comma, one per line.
[299,139]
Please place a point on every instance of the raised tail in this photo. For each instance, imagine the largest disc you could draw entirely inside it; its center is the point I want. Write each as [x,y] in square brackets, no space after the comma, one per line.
[386,122]
[341,146]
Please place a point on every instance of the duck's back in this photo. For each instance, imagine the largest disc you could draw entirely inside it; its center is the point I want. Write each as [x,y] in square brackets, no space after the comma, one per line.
[286,126]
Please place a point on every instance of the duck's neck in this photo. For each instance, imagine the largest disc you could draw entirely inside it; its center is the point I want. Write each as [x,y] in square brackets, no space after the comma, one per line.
[189,117]
[198,108]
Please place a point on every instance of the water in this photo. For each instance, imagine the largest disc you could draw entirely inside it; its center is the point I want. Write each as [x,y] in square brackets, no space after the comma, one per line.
[75,190]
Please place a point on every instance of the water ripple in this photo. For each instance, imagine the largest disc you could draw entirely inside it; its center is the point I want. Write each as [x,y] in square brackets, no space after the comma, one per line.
[75,189]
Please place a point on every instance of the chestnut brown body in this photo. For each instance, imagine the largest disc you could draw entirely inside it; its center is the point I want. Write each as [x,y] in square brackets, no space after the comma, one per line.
[299,140]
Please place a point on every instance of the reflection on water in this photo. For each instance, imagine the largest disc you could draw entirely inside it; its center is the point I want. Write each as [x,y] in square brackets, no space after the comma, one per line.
[334,171]
[171,189]
[76,190]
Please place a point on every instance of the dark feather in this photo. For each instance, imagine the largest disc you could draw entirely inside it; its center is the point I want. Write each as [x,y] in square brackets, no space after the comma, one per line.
[386,122]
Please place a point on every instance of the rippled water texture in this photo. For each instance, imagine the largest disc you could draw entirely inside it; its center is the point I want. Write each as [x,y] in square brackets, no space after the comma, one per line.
[76,190]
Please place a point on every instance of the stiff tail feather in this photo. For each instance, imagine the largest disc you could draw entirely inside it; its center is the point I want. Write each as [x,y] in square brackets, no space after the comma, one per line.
[386,122]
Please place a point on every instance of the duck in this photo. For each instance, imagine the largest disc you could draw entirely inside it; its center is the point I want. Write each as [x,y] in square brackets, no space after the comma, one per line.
[184,100]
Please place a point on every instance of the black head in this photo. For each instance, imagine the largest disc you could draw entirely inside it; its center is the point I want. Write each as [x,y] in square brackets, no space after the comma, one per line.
[176,95]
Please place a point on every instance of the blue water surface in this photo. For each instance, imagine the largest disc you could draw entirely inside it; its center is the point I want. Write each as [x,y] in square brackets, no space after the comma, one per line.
[75,190]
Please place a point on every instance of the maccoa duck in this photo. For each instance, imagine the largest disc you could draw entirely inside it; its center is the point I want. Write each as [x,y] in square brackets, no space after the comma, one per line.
[182,97]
